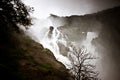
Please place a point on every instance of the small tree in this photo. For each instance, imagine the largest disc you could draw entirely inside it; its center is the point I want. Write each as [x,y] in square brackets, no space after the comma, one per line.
[82,68]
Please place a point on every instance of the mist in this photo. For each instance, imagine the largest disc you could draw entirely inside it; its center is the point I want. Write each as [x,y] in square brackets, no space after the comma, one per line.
[43,8]
[80,22]
[100,33]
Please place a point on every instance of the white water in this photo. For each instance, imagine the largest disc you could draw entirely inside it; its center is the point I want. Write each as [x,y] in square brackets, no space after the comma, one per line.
[52,44]
[41,33]
[87,43]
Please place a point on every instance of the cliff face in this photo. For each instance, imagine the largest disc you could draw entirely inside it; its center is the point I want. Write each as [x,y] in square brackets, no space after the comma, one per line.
[107,25]
[24,59]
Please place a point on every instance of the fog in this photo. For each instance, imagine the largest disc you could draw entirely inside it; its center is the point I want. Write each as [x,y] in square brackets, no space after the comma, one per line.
[43,8]
[93,34]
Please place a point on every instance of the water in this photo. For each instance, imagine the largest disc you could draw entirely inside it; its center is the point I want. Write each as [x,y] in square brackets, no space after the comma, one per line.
[52,37]
[51,40]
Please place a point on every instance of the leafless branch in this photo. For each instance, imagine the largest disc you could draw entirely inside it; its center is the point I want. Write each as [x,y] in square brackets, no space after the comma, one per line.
[81,68]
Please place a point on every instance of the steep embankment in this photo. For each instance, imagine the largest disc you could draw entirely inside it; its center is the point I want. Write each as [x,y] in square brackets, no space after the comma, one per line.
[24,59]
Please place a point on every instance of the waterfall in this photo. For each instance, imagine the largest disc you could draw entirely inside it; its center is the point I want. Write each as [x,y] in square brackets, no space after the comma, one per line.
[53,38]
[87,43]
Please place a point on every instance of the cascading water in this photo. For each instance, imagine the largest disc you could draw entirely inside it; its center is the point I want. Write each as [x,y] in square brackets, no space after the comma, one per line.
[87,43]
[51,37]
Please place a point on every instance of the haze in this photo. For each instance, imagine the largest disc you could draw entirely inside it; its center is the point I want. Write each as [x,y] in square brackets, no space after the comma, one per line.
[43,8]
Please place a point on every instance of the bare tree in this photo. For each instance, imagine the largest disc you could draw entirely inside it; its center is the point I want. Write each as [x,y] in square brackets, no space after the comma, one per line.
[82,67]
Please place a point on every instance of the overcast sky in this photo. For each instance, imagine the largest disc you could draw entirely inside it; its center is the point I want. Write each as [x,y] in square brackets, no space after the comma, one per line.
[68,7]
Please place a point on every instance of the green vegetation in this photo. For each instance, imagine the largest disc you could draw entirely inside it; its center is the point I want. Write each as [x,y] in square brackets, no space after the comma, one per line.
[21,58]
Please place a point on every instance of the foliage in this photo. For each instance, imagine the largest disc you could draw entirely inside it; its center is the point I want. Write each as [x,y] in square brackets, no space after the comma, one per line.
[82,68]
[15,11]
[20,57]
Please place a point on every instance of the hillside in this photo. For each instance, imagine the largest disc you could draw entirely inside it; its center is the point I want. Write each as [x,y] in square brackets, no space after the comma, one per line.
[21,58]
